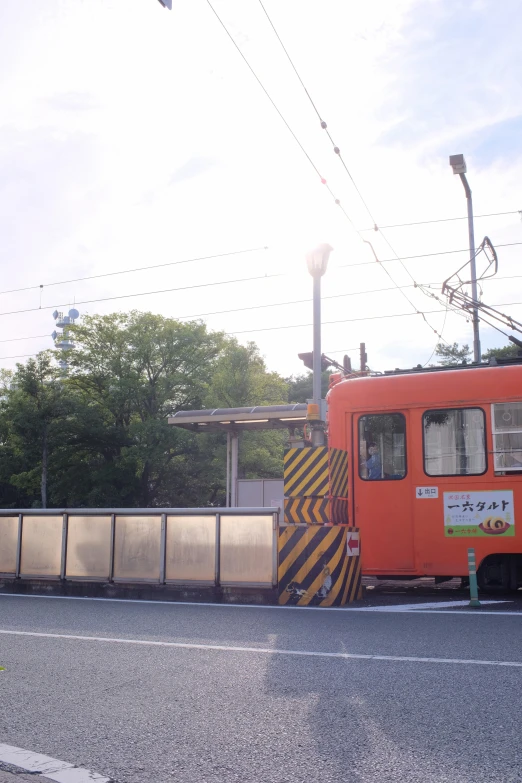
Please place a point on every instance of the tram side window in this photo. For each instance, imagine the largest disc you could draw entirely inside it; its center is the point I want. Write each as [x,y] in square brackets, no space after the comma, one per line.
[454,442]
[382,447]
[507,436]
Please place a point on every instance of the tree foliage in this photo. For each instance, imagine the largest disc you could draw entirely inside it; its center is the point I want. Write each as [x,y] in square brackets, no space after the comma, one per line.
[456,354]
[99,435]
[453,354]
[506,352]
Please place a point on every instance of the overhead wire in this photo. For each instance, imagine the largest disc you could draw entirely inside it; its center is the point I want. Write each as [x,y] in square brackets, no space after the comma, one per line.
[442,332]
[238,252]
[422,255]
[19,356]
[363,318]
[336,321]
[136,269]
[286,303]
[444,220]
[146,293]
[337,151]
[30,337]
[281,115]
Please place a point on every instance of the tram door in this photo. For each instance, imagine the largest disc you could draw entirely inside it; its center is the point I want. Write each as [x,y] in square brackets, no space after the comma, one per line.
[383,493]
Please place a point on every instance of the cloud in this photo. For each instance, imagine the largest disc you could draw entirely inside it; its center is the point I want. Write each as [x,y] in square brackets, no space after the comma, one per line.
[72,101]
[450,79]
[192,168]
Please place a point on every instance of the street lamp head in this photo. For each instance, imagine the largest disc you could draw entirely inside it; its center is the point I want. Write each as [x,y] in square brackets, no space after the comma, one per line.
[458,164]
[317,260]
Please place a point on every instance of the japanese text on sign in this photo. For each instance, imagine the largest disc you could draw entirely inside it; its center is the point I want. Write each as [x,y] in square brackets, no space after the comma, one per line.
[426,492]
[479,513]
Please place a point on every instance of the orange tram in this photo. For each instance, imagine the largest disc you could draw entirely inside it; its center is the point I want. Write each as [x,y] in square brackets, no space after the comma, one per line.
[435,467]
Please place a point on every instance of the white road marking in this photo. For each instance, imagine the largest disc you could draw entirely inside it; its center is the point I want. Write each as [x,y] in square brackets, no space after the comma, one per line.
[46,767]
[416,607]
[263,650]
[413,608]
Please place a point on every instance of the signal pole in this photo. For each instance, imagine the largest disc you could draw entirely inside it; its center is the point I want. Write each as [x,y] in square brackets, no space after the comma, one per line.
[458,164]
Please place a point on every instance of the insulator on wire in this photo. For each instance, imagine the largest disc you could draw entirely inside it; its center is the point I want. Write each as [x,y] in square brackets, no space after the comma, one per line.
[323,125]
[337,150]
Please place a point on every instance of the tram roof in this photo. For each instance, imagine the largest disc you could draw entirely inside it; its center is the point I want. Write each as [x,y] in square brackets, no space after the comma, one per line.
[493,362]
[430,386]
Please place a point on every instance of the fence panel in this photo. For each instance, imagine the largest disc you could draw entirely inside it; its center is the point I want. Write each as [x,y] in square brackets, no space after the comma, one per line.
[41,546]
[137,548]
[88,548]
[246,551]
[8,544]
[191,549]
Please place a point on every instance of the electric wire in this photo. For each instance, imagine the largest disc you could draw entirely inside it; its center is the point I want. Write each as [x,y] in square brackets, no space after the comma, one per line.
[256,77]
[145,293]
[251,250]
[421,255]
[337,321]
[444,220]
[442,332]
[426,286]
[337,151]
[136,269]
[20,356]
[30,337]
[363,318]
[375,226]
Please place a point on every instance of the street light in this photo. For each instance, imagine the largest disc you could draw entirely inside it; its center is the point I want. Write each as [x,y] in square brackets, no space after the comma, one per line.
[458,164]
[317,262]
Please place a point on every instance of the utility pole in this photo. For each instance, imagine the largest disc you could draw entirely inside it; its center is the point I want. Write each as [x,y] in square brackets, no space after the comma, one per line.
[317,262]
[458,164]
[363,355]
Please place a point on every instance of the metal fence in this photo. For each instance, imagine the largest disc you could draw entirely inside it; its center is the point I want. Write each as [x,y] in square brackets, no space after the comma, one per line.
[168,545]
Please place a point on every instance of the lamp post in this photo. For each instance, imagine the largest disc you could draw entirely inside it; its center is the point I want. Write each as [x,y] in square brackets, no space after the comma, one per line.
[458,164]
[317,262]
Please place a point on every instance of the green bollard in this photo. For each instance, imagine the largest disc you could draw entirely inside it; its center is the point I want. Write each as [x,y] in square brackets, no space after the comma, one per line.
[473,587]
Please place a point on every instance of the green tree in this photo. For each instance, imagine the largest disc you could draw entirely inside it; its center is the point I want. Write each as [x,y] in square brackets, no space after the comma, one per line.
[133,371]
[506,352]
[300,387]
[452,354]
[241,379]
[99,436]
[35,405]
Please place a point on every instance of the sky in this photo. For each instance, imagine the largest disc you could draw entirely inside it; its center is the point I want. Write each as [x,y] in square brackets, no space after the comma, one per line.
[132,136]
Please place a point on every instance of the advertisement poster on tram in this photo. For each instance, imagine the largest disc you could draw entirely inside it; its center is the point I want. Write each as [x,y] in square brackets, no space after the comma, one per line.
[479,514]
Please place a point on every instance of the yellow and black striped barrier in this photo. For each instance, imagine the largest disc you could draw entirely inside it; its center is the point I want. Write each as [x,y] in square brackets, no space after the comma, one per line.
[315,567]
[316,511]
[305,472]
[338,473]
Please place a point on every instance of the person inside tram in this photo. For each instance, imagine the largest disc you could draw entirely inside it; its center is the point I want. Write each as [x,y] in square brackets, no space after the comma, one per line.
[374,462]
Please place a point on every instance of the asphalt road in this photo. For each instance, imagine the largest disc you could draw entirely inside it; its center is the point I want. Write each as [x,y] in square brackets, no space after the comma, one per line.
[143,712]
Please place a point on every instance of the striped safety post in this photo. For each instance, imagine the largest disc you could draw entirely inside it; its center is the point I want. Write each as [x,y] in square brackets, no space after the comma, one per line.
[319,562]
[473,587]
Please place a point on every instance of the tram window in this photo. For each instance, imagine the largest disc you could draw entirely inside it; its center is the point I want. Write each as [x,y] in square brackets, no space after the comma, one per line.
[382,447]
[507,436]
[454,442]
